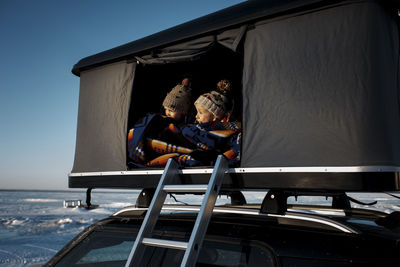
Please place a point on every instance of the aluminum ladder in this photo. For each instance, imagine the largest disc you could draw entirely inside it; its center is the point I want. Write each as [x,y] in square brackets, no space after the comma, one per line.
[192,248]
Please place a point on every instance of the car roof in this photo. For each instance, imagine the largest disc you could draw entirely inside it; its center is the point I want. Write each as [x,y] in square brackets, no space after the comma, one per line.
[313,217]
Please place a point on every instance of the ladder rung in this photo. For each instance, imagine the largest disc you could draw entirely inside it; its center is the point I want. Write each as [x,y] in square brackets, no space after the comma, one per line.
[164,243]
[186,188]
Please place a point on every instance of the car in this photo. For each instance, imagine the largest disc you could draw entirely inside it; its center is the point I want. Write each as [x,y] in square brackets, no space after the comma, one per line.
[245,235]
[315,84]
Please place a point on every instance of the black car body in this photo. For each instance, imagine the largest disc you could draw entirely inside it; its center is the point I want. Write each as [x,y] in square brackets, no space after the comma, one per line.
[241,235]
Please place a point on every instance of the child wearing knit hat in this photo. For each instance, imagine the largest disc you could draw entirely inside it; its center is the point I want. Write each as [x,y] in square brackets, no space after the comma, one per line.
[216,105]
[189,144]
[178,102]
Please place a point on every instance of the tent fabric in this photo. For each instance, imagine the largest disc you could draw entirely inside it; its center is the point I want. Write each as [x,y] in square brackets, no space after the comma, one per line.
[321,89]
[227,18]
[104,100]
[193,49]
[180,52]
[231,38]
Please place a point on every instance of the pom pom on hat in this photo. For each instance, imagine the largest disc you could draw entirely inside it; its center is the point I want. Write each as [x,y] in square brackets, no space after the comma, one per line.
[224,85]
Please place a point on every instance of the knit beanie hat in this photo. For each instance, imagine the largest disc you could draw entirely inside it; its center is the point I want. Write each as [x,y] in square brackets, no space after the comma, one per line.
[179,99]
[218,102]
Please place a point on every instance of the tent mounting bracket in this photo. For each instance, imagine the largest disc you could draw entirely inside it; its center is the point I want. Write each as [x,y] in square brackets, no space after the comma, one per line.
[275,202]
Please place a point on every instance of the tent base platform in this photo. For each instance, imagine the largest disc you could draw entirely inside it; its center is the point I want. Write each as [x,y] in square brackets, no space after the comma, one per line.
[356,179]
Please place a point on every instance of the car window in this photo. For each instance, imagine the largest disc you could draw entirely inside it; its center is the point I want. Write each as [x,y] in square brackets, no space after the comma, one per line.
[235,253]
[112,249]
[214,253]
[112,253]
[100,249]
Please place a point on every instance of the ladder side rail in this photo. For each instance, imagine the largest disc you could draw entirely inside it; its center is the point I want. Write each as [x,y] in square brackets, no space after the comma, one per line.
[171,170]
[204,215]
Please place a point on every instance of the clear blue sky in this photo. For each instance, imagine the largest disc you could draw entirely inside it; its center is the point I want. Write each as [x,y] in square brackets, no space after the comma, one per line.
[40,41]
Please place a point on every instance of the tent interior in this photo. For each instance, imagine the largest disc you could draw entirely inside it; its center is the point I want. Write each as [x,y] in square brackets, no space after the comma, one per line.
[153,81]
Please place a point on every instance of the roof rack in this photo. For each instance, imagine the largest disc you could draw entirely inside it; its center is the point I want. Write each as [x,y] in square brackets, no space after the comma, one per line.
[290,215]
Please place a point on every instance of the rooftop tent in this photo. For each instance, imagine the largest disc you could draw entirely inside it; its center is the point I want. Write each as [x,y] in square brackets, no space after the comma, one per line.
[317,83]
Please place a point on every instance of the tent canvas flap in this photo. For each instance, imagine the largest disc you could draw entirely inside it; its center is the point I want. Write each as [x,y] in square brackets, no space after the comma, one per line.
[102,119]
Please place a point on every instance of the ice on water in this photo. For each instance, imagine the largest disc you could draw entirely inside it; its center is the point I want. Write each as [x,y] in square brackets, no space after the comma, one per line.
[34,225]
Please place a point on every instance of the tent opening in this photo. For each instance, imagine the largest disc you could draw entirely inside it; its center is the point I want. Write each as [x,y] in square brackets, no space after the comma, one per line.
[153,81]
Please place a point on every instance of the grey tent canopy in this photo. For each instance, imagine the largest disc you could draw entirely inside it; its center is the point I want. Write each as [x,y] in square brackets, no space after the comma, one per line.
[317,83]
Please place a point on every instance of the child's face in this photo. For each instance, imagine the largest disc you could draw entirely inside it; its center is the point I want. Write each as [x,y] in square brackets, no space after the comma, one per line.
[203,115]
[174,115]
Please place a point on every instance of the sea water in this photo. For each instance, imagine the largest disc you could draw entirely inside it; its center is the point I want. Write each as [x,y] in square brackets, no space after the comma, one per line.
[34,225]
